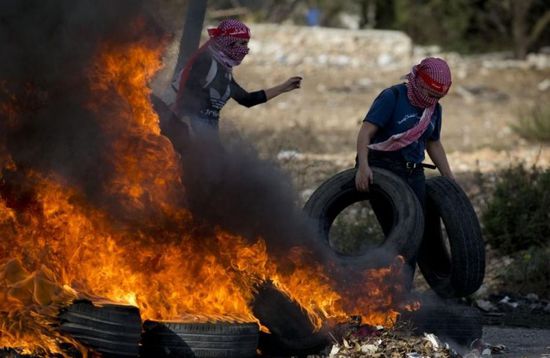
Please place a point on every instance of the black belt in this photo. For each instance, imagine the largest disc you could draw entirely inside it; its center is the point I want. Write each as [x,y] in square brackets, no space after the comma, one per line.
[412,165]
[391,158]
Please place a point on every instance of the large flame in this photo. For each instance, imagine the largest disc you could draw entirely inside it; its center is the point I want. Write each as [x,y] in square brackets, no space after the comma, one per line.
[55,245]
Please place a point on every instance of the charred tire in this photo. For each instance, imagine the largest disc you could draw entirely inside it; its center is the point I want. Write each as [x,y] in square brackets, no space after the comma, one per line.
[291,330]
[113,330]
[208,340]
[459,272]
[339,192]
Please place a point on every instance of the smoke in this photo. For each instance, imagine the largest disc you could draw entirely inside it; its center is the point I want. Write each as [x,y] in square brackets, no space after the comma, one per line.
[47,51]
[450,319]
[233,188]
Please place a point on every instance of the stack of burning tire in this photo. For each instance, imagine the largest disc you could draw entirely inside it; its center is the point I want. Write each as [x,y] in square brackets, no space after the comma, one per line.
[114,330]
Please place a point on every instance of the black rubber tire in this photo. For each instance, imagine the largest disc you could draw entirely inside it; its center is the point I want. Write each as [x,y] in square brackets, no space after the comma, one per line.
[208,340]
[339,192]
[113,330]
[291,331]
[460,272]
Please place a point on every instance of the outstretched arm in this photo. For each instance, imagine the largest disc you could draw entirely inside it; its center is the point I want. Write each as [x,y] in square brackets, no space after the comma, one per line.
[291,84]
[437,154]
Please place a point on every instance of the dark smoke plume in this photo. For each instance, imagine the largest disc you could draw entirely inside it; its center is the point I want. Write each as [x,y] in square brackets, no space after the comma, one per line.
[233,188]
[47,47]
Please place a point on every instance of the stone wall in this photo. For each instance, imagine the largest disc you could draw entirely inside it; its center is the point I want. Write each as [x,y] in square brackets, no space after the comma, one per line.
[299,45]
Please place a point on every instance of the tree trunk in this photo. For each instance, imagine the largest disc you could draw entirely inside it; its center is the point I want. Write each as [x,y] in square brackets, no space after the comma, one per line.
[368,14]
[189,43]
[371,14]
[191,36]
[520,10]
[538,28]
[279,12]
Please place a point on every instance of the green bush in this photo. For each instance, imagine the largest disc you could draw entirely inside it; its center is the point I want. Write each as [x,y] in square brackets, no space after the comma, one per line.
[517,216]
[535,125]
[529,273]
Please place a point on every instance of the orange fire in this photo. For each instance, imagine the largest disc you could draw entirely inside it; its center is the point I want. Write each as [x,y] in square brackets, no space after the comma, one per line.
[55,246]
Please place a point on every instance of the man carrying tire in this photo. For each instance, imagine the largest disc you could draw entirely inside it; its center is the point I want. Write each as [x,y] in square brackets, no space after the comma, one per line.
[403,122]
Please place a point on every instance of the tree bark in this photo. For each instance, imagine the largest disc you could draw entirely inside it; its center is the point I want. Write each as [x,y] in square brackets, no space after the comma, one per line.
[192,29]
[520,10]
[279,12]
[368,14]
[538,28]
[189,43]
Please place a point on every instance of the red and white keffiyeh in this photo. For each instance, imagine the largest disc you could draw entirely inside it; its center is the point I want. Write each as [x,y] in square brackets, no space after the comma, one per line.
[428,82]
[223,39]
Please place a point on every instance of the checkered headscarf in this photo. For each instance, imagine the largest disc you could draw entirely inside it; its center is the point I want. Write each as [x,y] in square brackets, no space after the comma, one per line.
[224,36]
[431,74]
[428,82]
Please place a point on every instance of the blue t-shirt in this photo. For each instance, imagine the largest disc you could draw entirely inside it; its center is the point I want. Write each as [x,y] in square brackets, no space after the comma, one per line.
[395,115]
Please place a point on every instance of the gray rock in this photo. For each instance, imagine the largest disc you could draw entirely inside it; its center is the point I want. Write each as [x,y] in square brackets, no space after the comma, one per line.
[486,306]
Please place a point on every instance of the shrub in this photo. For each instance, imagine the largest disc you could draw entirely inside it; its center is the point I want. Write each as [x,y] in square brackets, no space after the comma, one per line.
[529,273]
[535,125]
[356,230]
[517,216]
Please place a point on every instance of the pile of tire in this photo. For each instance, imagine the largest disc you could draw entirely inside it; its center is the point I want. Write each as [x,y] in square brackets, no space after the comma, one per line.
[116,331]
[452,264]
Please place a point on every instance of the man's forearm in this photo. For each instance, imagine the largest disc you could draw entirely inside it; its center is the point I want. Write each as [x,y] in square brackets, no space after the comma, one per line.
[439,157]
[364,138]
[273,91]
[362,148]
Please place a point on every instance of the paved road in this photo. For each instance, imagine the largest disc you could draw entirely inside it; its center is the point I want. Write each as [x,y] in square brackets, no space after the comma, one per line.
[520,342]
